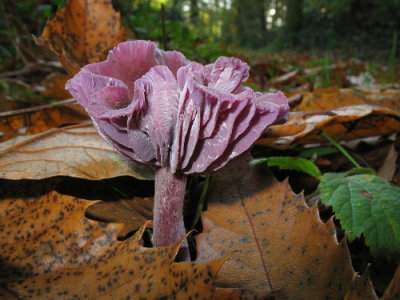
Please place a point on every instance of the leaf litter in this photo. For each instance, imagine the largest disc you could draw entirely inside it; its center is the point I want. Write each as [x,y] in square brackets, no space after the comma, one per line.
[303,128]
[79,34]
[276,241]
[47,249]
[76,151]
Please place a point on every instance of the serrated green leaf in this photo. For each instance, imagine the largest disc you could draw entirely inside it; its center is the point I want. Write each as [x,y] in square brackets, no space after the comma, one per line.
[290,163]
[365,204]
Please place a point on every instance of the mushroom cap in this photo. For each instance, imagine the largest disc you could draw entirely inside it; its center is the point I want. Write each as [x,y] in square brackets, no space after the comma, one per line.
[156,107]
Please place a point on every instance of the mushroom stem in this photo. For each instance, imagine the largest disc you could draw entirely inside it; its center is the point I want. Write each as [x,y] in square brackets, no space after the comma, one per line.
[168,224]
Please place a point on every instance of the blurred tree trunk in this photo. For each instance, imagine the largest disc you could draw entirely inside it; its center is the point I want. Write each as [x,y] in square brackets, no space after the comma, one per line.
[250,22]
[293,20]
[194,11]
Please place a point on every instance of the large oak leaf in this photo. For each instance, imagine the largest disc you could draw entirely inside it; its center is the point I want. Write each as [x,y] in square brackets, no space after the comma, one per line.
[49,250]
[276,242]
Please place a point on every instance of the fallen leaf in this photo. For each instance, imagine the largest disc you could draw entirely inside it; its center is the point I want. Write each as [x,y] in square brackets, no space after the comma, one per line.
[40,118]
[330,98]
[344,123]
[388,168]
[393,290]
[285,78]
[82,33]
[361,289]
[126,271]
[276,242]
[5,295]
[133,212]
[45,232]
[53,86]
[49,250]
[76,151]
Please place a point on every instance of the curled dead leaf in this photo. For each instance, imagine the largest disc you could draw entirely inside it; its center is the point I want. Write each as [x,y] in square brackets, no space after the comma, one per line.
[331,98]
[344,123]
[132,213]
[76,151]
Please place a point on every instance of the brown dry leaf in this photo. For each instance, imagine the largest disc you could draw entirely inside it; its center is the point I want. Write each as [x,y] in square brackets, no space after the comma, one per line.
[285,78]
[393,290]
[276,242]
[43,233]
[54,86]
[126,271]
[39,119]
[76,151]
[344,123]
[5,295]
[330,98]
[82,33]
[388,167]
[133,212]
[49,250]
[361,289]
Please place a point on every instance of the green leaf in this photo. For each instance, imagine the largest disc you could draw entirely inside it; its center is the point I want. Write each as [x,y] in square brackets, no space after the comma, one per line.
[290,163]
[365,204]
[318,151]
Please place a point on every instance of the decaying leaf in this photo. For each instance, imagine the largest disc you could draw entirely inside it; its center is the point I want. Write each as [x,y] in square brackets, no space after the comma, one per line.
[330,98]
[388,168]
[276,242]
[126,271]
[39,119]
[76,151]
[393,290]
[344,123]
[5,295]
[133,212]
[49,250]
[361,289]
[46,231]
[53,86]
[82,33]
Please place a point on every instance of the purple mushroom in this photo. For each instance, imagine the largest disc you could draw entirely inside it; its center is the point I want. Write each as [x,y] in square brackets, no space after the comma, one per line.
[157,108]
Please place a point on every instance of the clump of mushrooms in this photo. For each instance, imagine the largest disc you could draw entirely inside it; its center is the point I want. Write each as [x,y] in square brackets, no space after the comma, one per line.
[181,117]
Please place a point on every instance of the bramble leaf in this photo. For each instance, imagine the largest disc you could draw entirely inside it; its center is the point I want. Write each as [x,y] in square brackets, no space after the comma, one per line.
[291,163]
[365,204]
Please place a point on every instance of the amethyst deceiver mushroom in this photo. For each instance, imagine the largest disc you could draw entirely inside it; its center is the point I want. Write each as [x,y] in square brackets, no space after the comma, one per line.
[157,108]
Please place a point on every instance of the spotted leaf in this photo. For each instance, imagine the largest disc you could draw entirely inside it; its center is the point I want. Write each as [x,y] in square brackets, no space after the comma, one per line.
[276,242]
